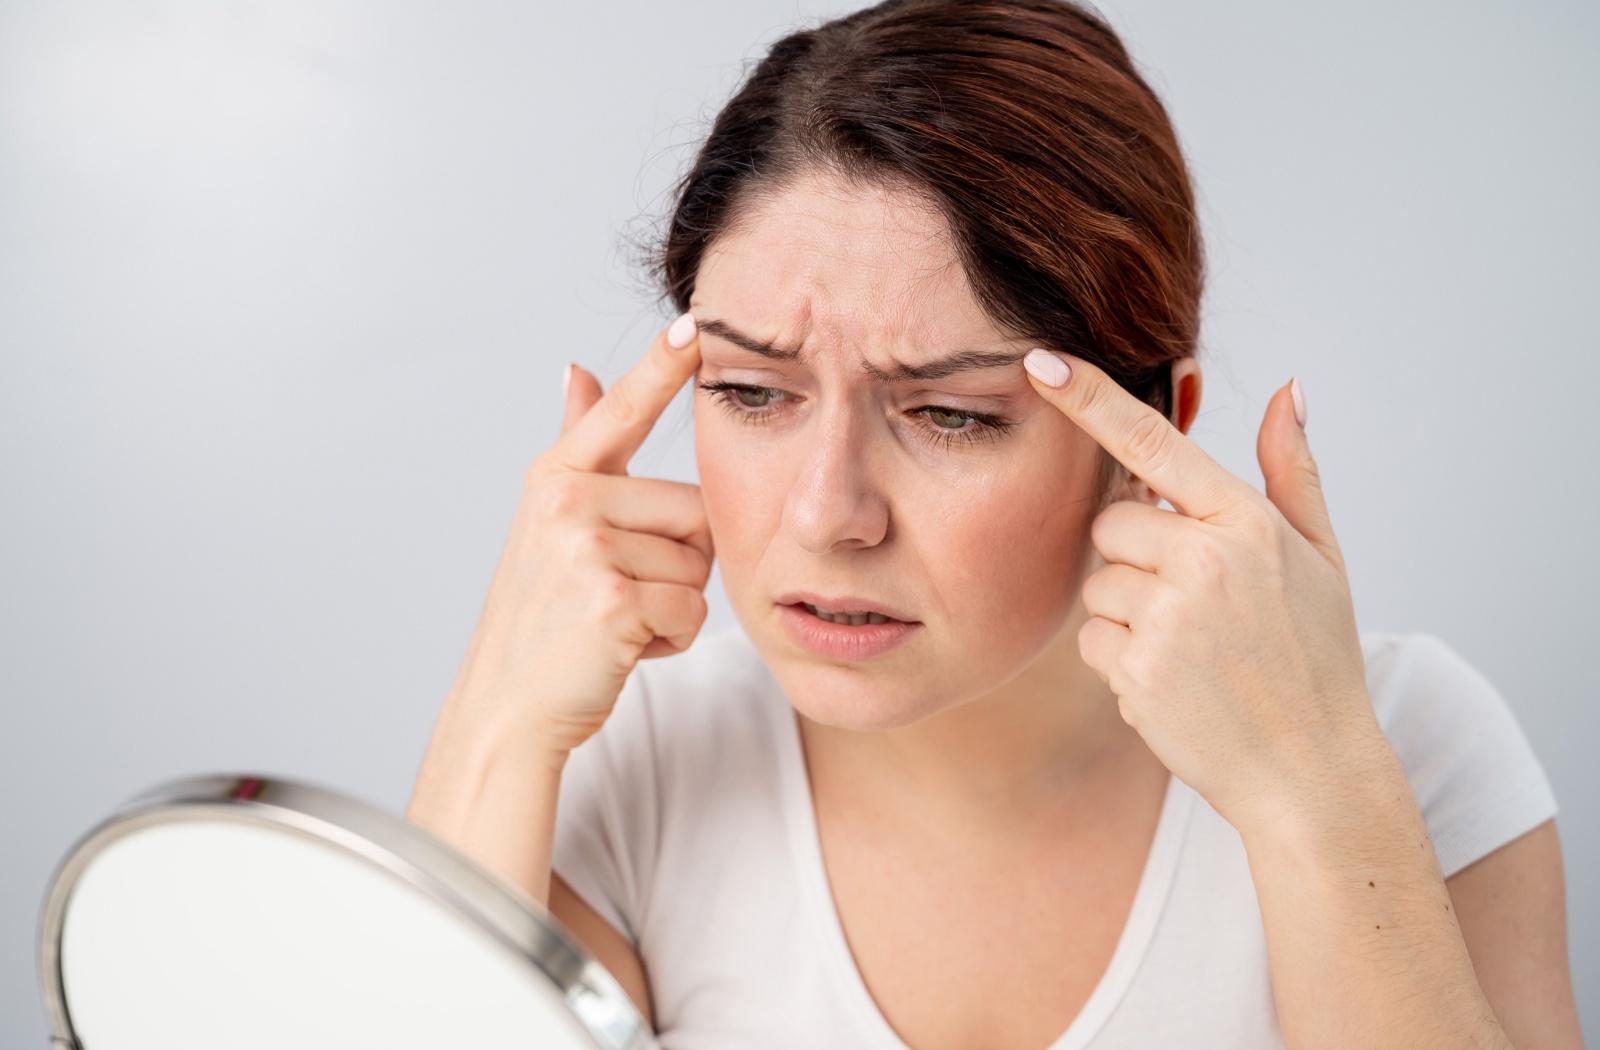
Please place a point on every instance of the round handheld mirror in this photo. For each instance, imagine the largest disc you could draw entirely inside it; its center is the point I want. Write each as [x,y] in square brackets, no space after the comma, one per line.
[249,913]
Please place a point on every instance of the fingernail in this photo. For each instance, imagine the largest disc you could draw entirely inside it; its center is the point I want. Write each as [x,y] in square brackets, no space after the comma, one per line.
[566,380]
[681,332]
[1046,367]
[1299,399]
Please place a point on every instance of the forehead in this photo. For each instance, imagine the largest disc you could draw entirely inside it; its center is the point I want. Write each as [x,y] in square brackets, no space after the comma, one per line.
[828,263]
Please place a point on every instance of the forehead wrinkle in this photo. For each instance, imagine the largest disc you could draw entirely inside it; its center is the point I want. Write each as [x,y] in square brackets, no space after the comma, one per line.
[872,269]
[766,348]
[961,361]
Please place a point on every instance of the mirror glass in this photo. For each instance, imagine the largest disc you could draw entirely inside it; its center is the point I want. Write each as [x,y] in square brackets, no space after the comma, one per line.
[234,923]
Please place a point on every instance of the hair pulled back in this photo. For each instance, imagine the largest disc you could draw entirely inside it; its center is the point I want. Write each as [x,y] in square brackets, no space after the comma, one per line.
[1052,160]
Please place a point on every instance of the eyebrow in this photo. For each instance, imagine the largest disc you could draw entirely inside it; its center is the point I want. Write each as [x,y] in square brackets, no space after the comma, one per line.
[746,342]
[961,361]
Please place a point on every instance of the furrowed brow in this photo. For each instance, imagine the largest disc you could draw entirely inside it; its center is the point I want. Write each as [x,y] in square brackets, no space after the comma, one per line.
[724,330]
[965,361]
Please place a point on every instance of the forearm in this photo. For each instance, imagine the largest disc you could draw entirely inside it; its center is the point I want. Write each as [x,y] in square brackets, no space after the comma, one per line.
[1363,944]
[493,795]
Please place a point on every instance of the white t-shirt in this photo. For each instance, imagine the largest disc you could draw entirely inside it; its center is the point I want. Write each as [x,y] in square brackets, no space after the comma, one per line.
[687,823]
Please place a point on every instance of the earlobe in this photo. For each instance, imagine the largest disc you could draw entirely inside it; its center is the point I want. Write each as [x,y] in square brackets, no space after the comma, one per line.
[1140,490]
[1136,490]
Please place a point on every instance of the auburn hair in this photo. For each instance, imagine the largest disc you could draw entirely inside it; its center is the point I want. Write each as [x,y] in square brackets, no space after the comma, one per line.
[1053,162]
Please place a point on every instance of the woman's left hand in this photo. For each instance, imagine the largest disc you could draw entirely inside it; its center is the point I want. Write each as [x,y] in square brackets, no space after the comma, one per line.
[1225,629]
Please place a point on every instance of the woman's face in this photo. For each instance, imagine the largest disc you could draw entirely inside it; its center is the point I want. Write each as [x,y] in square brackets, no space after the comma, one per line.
[868,442]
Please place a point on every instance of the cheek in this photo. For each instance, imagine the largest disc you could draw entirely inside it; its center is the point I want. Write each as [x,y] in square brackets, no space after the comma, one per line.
[1009,557]
[741,512]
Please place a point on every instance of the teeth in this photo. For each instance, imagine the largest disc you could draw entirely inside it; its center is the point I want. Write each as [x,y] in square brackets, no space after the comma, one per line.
[853,619]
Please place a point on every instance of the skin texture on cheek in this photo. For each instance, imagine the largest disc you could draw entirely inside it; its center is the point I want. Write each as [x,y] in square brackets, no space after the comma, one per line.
[1011,561]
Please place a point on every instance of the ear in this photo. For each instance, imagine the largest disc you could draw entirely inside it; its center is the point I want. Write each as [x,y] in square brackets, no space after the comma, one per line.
[1184,405]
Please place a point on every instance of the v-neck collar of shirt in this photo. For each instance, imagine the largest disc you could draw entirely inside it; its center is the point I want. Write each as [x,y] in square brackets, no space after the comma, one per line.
[1148,903]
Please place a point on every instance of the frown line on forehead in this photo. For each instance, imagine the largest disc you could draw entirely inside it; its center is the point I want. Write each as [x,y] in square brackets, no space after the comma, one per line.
[950,364]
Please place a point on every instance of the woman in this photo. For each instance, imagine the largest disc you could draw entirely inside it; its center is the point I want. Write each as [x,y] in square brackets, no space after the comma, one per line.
[1005,754]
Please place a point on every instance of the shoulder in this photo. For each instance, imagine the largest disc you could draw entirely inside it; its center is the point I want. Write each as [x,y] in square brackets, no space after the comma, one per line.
[1427,696]
[1473,772]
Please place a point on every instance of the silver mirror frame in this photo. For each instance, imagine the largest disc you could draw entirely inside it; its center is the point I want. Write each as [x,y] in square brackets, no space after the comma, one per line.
[396,846]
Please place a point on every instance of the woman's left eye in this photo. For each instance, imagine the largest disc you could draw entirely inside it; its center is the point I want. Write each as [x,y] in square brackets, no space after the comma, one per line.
[948,418]
[946,425]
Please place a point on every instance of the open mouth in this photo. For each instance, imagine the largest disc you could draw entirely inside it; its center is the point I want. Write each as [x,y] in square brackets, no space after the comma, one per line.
[848,628]
[853,619]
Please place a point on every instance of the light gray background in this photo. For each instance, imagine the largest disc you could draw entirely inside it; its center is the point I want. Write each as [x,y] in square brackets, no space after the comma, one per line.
[286,289]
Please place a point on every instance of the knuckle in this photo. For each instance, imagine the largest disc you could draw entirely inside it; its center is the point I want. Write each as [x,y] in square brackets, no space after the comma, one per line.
[1140,662]
[679,611]
[1255,527]
[1099,645]
[1260,524]
[613,600]
[695,608]
[1094,588]
[700,565]
[561,496]
[537,472]
[1089,643]
[1204,559]
[1306,464]
[697,503]
[621,404]
[1093,397]
[1167,607]
[592,545]
[1149,439]
[1107,522]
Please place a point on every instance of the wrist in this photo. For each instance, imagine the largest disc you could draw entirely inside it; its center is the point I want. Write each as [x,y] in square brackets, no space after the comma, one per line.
[1349,792]
[485,719]
[476,742]
[495,802]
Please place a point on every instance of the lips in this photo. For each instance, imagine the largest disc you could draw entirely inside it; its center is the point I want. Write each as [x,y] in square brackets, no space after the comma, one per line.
[846,609]
[844,628]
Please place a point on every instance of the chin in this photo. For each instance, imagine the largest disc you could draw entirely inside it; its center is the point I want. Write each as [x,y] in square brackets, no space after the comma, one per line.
[862,699]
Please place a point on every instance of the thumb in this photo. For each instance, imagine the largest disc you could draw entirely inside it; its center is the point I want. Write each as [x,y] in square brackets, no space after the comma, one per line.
[1293,484]
[581,390]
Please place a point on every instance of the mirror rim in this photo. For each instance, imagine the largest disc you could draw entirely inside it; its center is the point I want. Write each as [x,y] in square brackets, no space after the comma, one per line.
[398,847]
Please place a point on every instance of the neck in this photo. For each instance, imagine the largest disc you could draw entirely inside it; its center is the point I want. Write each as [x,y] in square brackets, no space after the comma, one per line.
[1047,737]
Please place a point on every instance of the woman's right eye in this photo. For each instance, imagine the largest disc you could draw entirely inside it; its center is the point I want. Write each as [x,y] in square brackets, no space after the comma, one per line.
[744,398]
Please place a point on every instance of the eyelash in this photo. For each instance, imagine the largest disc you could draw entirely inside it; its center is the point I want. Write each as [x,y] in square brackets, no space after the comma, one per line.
[989,427]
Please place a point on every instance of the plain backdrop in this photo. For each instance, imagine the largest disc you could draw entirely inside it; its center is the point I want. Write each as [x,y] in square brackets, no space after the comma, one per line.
[286,289]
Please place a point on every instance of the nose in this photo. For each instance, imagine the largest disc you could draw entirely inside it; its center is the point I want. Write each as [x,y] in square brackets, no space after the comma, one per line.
[834,502]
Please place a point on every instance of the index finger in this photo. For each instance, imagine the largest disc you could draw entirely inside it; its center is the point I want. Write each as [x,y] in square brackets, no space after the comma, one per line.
[1141,439]
[613,429]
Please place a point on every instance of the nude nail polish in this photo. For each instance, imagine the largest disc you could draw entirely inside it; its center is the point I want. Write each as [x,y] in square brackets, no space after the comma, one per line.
[1046,367]
[681,332]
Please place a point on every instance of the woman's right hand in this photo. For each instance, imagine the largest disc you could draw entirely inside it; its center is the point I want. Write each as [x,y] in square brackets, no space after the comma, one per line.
[600,569]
